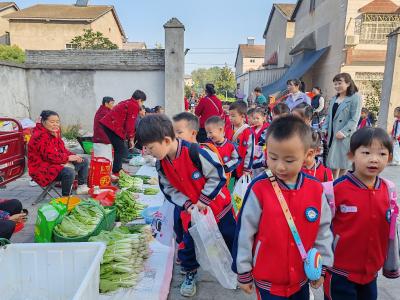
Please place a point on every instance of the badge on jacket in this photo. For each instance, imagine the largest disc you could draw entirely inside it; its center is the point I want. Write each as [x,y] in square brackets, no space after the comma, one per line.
[196,175]
[348,209]
[312,214]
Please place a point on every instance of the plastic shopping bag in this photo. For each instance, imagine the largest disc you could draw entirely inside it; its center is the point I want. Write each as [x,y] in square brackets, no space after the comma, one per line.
[211,251]
[162,226]
[49,215]
[239,192]
[396,152]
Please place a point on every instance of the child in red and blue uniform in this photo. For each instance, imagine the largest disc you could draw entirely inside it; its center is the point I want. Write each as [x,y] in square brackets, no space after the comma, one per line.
[313,166]
[364,119]
[362,243]
[226,149]
[243,137]
[264,252]
[186,184]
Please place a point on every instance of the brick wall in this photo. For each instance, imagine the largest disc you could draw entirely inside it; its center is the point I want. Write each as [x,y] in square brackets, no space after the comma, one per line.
[134,60]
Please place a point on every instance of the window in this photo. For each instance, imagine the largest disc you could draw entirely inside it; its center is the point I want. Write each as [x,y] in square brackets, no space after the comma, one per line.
[252,60]
[374,28]
[70,46]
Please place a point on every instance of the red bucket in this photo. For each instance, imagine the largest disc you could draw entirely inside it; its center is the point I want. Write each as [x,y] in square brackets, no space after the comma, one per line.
[99,172]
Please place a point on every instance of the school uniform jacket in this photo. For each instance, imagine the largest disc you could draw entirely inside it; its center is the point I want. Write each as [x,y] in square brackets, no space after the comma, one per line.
[319,171]
[361,230]
[259,136]
[122,118]
[208,107]
[99,136]
[228,152]
[245,146]
[264,249]
[364,123]
[184,185]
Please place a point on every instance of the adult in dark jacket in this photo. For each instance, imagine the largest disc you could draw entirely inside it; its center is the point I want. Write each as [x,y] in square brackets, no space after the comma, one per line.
[10,214]
[49,160]
[208,107]
[119,125]
[99,136]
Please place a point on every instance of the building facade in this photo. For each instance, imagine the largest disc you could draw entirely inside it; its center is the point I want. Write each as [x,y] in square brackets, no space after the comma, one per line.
[333,36]
[52,27]
[278,35]
[5,9]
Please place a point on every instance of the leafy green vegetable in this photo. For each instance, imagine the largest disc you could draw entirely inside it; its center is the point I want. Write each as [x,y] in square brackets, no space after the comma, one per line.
[128,209]
[123,260]
[151,191]
[82,220]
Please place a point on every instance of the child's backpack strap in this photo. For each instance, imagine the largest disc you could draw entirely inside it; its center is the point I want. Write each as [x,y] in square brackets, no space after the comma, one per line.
[330,196]
[394,209]
[194,156]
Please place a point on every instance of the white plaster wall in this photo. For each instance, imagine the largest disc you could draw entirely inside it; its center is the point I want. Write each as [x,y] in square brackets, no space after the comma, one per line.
[121,84]
[14,100]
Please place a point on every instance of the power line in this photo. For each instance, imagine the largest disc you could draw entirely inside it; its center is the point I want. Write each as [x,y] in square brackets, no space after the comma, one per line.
[212,48]
[211,53]
[208,64]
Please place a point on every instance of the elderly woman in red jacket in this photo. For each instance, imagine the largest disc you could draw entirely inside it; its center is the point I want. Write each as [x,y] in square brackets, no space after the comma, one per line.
[49,160]
[208,106]
[119,125]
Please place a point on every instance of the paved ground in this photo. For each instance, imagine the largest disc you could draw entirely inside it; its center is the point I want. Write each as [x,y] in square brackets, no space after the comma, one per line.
[208,288]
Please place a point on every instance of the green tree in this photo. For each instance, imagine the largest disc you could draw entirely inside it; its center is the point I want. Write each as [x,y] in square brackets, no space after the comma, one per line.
[203,76]
[372,99]
[93,40]
[12,53]
[188,91]
[225,83]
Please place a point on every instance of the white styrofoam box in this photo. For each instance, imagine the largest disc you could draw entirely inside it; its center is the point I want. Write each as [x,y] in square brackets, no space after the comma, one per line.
[58,271]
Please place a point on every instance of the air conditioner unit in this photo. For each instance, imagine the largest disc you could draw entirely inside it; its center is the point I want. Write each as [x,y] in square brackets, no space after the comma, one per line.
[352,40]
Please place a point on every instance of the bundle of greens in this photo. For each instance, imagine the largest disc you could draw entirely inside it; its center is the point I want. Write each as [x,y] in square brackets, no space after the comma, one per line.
[128,209]
[147,179]
[151,191]
[82,220]
[134,184]
[123,260]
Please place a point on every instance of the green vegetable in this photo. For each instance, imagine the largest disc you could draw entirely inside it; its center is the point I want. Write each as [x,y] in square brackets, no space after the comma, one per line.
[124,258]
[128,209]
[151,191]
[82,220]
[130,182]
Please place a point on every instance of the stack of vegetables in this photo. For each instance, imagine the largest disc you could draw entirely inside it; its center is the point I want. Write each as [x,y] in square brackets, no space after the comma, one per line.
[123,260]
[128,208]
[135,183]
[82,220]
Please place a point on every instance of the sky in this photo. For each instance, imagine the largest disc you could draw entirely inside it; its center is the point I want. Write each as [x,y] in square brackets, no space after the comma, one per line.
[213,28]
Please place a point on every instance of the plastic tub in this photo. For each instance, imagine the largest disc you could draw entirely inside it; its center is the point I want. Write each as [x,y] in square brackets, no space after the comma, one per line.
[61,239]
[50,271]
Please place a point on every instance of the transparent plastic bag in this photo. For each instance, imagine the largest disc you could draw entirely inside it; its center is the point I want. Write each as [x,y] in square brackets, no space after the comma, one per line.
[211,251]
[239,192]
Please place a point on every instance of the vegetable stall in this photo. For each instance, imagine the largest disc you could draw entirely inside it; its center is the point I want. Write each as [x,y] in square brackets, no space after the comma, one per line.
[134,264]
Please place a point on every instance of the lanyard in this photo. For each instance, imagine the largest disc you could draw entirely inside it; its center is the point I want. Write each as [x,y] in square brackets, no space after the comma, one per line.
[288,215]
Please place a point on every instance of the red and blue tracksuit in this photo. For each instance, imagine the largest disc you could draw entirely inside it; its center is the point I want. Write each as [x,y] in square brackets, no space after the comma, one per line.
[319,171]
[245,146]
[264,251]
[229,155]
[259,162]
[184,185]
[361,240]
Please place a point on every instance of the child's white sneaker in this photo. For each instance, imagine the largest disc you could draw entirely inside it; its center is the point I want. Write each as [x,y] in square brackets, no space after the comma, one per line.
[82,189]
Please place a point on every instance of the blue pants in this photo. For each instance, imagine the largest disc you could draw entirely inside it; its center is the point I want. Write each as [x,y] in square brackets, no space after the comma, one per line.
[303,294]
[227,226]
[338,287]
